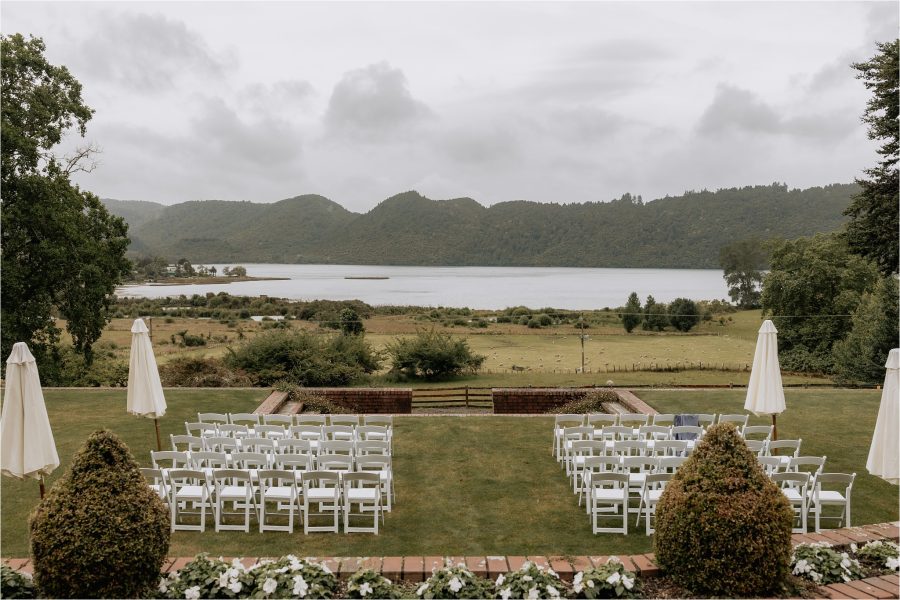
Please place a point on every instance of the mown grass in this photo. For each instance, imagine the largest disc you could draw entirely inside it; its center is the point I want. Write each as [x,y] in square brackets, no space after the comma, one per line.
[465,485]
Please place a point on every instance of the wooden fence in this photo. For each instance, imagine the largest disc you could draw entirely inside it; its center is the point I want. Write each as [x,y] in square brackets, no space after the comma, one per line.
[455,397]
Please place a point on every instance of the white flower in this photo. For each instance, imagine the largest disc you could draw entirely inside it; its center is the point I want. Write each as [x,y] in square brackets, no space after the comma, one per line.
[614,578]
[590,583]
[270,585]
[325,568]
[237,564]
[853,547]
[533,594]
[576,583]
[235,586]
[163,585]
[893,564]
[500,579]
[296,565]
[554,593]
[527,578]
[300,586]
[614,560]
[628,582]
[365,589]
[192,593]
[421,589]
[525,565]
[455,584]
[223,579]
[505,593]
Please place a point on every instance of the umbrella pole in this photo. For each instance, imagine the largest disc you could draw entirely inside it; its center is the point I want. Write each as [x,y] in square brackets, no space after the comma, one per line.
[774,430]
[158,440]
[41,484]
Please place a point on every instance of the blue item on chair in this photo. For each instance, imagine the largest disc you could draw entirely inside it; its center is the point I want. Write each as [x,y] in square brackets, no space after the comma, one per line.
[680,420]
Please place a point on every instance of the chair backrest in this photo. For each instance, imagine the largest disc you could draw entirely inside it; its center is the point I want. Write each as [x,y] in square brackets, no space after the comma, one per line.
[169,459]
[705,419]
[770,464]
[588,448]
[351,420]
[669,464]
[293,446]
[309,419]
[380,420]
[335,447]
[209,460]
[181,477]
[670,447]
[657,480]
[335,462]
[687,432]
[249,460]
[276,478]
[737,419]
[153,476]
[791,479]
[334,432]
[570,420]
[235,431]
[200,429]
[838,479]
[664,419]
[232,477]
[220,444]
[602,419]
[785,445]
[244,418]
[633,419]
[372,432]
[307,432]
[605,479]
[630,448]
[617,432]
[578,433]
[796,463]
[756,446]
[357,480]
[269,431]
[257,444]
[377,463]
[603,464]
[320,479]
[758,430]
[284,420]
[212,417]
[294,462]
[654,432]
[192,443]
[639,464]
[374,447]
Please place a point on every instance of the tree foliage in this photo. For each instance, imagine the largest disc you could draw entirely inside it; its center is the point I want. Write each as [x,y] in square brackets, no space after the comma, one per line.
[860,357]
[743,262]
[813,286]
[631,316]
[350,322]
[61,249]
[684,314]
[432,355]
[873,227]
[655,315]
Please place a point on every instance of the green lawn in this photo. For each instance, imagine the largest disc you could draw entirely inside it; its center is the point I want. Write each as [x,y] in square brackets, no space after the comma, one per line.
[465,485]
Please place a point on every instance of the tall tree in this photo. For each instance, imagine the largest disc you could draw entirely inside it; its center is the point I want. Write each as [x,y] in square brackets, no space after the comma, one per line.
[873,228]
[860,356]
[632,317]
[62,252]
[655,315]
[742,262]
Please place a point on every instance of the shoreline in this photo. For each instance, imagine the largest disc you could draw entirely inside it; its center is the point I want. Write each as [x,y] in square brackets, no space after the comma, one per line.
[218,280]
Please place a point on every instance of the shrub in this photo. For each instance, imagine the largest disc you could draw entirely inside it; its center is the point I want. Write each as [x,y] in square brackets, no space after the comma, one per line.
[524,320]
[655,316]
[455,582]
[822,565]
[884,554]
[99,521]
[315,403]
[544,320]
[350,322]
[684,314]
[369,584]
[530,581]
[591,403]
[206,577]
[290,577]
[201,372]
[304,359]
[722,527]
[611,580]
[14,584]
[631,314]
[431,355]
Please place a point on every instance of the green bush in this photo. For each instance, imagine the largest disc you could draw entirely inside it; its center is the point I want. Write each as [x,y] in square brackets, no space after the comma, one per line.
[544,320]
[822,565]
[591,403]
[201,372]
[529,581]
[722,527]
[369,584]
[101,532]
[432,355]
[611,580]
[290,577]
[304,359]
[14,584]
[206,577]
[655,316]
[534,323]
[881,554]
[524,320]
[684,314]
[455,582]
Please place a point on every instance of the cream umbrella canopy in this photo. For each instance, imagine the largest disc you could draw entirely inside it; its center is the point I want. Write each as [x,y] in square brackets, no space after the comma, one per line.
[27,448]
[765,392]
[883,460]
[145,393]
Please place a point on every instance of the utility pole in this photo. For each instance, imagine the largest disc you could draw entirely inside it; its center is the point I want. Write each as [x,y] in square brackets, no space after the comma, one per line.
[581,320]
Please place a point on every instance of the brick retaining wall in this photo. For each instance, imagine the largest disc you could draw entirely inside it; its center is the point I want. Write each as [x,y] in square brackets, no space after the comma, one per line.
[369,400]
[533,400]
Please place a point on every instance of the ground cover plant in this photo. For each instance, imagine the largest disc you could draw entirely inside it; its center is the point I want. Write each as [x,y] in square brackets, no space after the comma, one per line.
[466,486]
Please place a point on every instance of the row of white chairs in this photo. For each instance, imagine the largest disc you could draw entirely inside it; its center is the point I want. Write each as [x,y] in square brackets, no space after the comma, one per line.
[270,493]
[185,443]
[306,431]
[297,419]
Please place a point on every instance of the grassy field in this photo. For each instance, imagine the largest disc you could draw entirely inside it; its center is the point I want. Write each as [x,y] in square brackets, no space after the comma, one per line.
[465,485]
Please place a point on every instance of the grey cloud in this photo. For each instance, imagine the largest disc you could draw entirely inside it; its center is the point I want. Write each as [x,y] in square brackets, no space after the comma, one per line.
[621,50]
[481,144]
[286,94]
[374,102]
[147,53]
[882,22]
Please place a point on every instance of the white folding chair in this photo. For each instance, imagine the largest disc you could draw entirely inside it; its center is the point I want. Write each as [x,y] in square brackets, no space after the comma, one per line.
[769,464]
[654,432]
[309,419]
[157,482]
[619,433]
[201,429]
[594,466]
[364,448]
[372,433]
[331,448]
[609,500]
[187,487]
[670,448]
[310,433]
[321,489]
[235,486]
[633,420]
[271,432]
[362,490]
[687,432]
[777,448]
[347,420]
[386,421]
[295,463]
[212,418]
[651,492]
[669,464]
[382,466]
[190,443]
[570,435]
[252,462]
[234,431]
[342,433]
[740,421]
[249,419]
[665,419]
[630,448]
[220,444]
[794,486]
[169,459]
[581,449]
[758,430]
[705,420]
[638,468]
[258,444]
[757,447]
[278,486]
[284,420]
[560,423]
[600,420]
[294,446]
[822,497]
[209,461]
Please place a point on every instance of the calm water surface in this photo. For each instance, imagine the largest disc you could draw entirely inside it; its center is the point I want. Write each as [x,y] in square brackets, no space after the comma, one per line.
[475,287]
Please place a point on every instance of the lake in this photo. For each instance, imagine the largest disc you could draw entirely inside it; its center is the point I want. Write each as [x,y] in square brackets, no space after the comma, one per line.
[475,287]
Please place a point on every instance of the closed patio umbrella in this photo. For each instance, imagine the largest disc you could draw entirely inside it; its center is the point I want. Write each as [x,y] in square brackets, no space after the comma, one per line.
[765,393]
[145,393]
[883,460]
[28,448]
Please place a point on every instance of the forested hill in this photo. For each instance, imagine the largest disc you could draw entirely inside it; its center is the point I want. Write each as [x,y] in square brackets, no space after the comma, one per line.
[684,231]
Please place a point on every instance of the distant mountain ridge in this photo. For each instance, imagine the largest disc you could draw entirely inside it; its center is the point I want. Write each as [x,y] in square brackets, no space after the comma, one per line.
[684,231]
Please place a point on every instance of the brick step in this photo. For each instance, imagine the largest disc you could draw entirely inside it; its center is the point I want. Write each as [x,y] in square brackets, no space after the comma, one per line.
[291,407]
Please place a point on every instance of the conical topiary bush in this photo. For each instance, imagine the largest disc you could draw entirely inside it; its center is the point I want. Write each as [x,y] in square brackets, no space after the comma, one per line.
[722,527]
[101,532]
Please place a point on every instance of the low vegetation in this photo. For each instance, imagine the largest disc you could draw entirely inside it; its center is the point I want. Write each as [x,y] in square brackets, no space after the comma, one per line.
[432,355]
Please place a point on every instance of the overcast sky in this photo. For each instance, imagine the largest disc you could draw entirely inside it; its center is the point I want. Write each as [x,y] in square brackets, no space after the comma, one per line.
[551,102]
